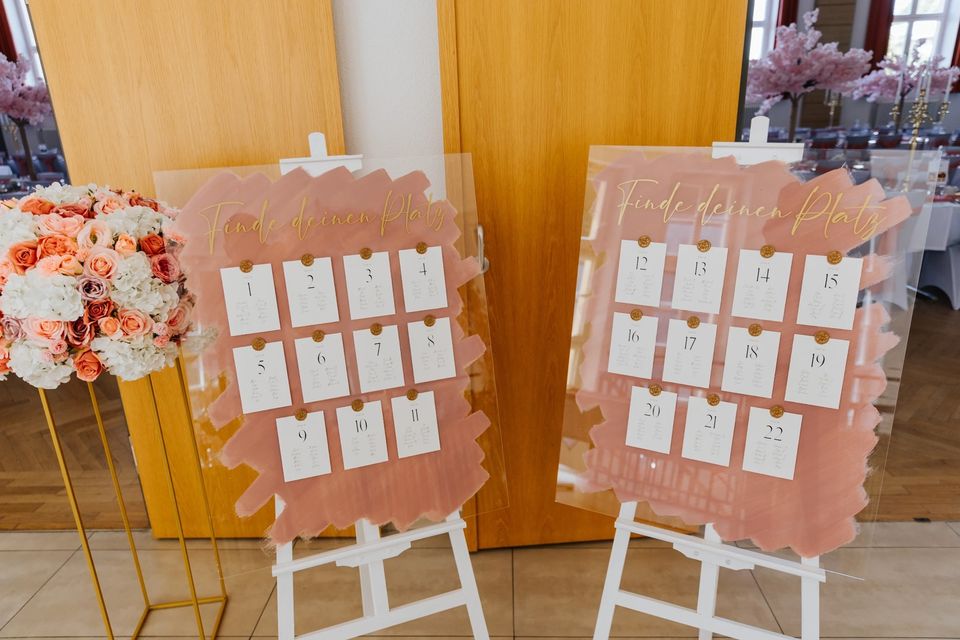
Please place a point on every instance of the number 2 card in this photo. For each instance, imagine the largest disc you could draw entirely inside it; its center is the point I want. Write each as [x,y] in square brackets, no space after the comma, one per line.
[311,294]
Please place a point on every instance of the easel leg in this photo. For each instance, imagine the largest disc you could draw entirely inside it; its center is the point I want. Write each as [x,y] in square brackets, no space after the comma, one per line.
[285,610]
[810,603]
[618,557]
[373,581]
[468,582]
[709,577]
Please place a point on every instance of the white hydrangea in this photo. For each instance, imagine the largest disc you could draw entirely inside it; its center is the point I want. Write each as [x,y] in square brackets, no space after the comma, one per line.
[60,193]
[134,286]
[16,226]
[47,297]
[136,222]
[133,358]
[33,364]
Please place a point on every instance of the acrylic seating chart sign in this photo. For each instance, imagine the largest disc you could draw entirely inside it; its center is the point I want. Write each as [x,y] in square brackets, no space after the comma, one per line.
[346,328]
[734,331]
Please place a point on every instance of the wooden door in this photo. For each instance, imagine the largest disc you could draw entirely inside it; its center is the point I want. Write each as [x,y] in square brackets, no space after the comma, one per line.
[527,88]
[146,85]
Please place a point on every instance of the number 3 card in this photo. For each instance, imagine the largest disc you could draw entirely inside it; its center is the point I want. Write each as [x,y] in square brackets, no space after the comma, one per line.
[640,276]
[650,420]
[363,440]
[251,299]
[262,377]
[369,285]
[303,447]
[415,423]
[698,282]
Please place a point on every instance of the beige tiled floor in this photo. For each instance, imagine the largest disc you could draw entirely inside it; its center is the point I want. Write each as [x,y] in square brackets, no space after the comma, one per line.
[907,585]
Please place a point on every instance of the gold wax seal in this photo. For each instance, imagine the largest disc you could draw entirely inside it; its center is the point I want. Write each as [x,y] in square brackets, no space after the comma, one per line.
[776,411]
[357,404]
[703,246]
[306,260]
[376,328]
[246,266]
[713,399]
[636,314]
[822,337]
[643,241]
[301,415]
[767,251]
[365,253]
[693,322]
[429,321]
[655,389]
[421,247]
[258,344]
[318,335]
[834,257]
[412,395]
[755,329]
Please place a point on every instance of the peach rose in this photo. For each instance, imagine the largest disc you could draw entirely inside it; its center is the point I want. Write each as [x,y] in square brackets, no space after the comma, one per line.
[23,255]
[102,262]
[6,268]
[81,209]
[88,365]
[70,265]
[49,265]
[37,206]
[134,323]
[4,357]
[125,245]
[166,267]
[108,204]
[109,326]
[179,318]
[161,341]
[95,310]
[44,330]
[58,347]
[54,223]
[95,233]
[56,245]
[152,244]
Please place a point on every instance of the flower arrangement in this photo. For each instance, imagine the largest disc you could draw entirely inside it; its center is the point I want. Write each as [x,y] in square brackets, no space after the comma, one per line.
[21,102]
[798,64]
[90,281]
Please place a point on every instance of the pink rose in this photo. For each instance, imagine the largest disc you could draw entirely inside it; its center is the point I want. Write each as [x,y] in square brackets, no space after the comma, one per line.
[49,265]
[134,322]
[95,233]
[56,224]
[161,341]
[44,330]
[23,255]
[179,318]
[110,326]
[161,328]
[102,262]
[108,204]
[125,245]
[88,365]
[166,267]
[36,206]
[56,245]
[81,209]
[58,347]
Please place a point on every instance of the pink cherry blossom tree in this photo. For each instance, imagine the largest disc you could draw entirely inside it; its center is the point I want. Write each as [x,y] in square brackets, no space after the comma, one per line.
[23,103]
[798,64]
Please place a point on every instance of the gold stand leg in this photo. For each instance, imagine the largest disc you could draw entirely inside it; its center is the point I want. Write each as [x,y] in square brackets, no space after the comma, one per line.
[194,601]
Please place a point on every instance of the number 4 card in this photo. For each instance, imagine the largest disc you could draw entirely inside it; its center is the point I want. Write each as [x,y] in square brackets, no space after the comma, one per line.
[303,446]
[424,284]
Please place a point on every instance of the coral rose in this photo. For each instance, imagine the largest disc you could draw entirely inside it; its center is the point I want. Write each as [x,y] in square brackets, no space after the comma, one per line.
[54,223]
[125,245]
[80,333]
[109,326]
[23,255]
[178,321]
[134,323]
[166,267]
[96,309]
[152,244]
[37,206]
[4,357]
[95,233]
[56,245]
[137,200]
[88,365]
[74,209]
[102,262]
[44,330]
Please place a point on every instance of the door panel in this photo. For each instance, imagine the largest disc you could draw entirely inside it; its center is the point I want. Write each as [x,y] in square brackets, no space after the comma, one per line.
[528,87]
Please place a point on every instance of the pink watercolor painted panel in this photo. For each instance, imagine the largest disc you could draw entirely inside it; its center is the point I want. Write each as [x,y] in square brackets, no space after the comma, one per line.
[674,197]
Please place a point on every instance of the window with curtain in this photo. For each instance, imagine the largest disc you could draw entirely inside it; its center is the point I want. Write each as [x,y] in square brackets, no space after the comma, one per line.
[18,21]
[934,22]
[763,27]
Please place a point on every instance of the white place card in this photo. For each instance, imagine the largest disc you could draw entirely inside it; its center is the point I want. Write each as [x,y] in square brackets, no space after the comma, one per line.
[689,357]
[640,273]
[415,423]
[708,432]
[379,363]
[772,443]
[262,377]
[363,440]
[431,351]
[369,285]
[323,368]
[251,299]
[304,452]
[311,294]
[650,419]
[762,283]
[816,371]
[828,296]
[750,364]
[698,281]
[424,284]
[632,345]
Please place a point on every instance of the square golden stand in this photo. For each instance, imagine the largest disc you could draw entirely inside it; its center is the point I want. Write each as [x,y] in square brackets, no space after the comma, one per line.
[148,606]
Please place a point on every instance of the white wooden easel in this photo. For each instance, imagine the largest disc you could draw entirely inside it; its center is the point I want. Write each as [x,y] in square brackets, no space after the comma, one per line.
[712,553]
[370,550]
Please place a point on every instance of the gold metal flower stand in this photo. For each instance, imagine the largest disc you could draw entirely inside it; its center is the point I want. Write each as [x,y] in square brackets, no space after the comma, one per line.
[149,606]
